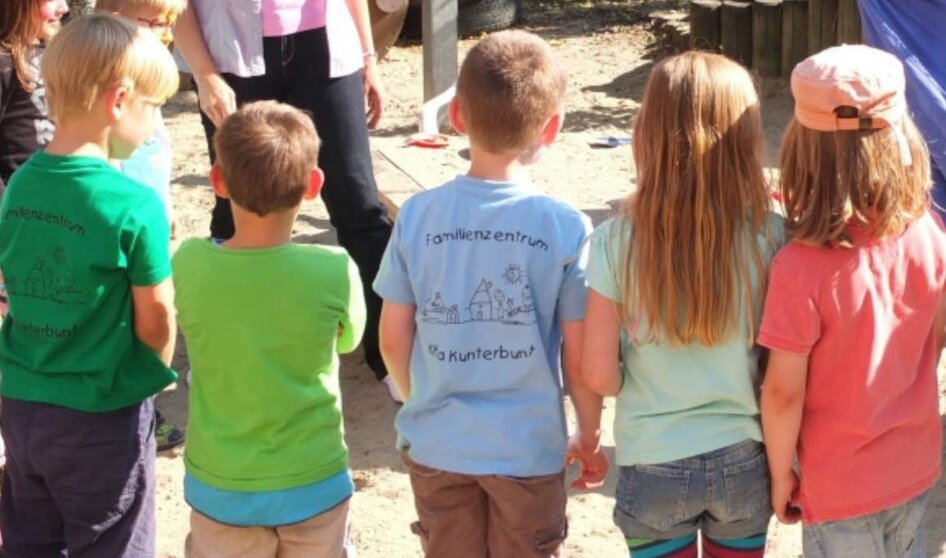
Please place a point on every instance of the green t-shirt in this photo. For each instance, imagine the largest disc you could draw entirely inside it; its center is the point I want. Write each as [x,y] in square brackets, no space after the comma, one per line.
[262,332]
[677,402]
[75,235]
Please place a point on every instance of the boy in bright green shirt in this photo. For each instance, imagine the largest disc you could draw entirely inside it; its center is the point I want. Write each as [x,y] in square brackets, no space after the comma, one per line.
[264,320]
[90,329]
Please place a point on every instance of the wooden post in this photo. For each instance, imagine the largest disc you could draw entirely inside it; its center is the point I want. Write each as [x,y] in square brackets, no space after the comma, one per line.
[736,31]
[767,37]
[794,34]
[829,23]
[704,24]
[849,23]
[822,24]
[439,33]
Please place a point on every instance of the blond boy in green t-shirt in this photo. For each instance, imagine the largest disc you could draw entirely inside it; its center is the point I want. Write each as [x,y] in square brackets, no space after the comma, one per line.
[264,320]
[90,329]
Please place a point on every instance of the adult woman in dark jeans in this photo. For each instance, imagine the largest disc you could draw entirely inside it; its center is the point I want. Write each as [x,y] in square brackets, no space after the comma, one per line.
[317,55]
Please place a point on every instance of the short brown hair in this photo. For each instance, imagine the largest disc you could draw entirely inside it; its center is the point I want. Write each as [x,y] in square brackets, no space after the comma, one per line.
[97,52]
[510,84]
[831,179]
[266,152]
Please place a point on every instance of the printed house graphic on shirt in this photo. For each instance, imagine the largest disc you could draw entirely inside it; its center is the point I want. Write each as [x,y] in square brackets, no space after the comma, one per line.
[481,305]
[436,311]
[53,281]
[488,303]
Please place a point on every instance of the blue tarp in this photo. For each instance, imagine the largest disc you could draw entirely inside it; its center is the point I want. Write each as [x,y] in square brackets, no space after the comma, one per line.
[915,31]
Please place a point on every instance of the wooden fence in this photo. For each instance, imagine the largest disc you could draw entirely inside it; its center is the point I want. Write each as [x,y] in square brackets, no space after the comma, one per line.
[771,36]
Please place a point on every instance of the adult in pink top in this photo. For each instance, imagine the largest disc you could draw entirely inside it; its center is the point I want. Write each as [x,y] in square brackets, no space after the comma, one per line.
[854,315]
[317,55]
[285,17]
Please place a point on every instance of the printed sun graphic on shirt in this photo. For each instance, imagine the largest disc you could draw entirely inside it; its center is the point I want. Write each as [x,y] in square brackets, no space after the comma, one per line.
[52,280]
[513,274]
[488,303]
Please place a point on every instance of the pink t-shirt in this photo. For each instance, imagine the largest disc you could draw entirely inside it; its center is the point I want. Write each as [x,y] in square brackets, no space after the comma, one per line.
[285,17]
[871,436]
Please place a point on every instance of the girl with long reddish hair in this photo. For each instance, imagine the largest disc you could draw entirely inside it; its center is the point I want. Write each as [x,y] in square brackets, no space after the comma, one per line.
[677,282]
[25,28]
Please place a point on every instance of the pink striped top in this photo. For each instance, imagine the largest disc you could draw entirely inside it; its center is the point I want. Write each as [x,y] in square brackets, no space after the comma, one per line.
[285,17]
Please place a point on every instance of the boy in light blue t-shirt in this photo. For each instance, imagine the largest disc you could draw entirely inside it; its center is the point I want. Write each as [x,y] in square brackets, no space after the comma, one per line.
[483,286]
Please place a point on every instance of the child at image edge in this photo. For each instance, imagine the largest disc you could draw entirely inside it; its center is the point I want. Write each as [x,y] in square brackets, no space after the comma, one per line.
[677,283]
[854,314]
[151,163]
[25,29]
[85,256]
[266,461]
[483,283]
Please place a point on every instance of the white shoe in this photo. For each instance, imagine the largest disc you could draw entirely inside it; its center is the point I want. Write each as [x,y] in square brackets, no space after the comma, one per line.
[392,389]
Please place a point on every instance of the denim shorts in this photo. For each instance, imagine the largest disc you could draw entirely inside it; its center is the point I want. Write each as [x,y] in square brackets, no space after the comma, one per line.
[898,531]
[724,493]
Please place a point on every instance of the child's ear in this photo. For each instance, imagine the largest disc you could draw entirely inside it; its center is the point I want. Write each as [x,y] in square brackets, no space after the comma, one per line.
[116,99]
[316,179]
[456,118]
[552,128]
[216,179]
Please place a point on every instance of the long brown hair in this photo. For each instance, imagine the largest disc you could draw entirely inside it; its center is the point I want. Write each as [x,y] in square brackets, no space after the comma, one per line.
[832,179]
[19,27]
[701,201]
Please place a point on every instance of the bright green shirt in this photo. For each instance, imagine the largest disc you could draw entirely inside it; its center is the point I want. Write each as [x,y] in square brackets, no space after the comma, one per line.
[262,331]
[75,236]
[678,402]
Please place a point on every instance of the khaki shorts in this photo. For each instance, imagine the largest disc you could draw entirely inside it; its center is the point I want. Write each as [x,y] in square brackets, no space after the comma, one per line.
[325,535]
[474,516]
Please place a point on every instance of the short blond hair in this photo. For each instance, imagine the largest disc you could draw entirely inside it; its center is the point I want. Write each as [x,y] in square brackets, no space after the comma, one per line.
[124,7]
[95,53]
[266,152]
[510,84]
[832,179]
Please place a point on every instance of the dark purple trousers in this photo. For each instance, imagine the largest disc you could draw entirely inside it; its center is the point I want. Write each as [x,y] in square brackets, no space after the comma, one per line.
[77,484]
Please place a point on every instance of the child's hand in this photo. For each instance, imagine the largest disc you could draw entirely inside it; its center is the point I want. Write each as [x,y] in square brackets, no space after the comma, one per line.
[594,463]
[784,493]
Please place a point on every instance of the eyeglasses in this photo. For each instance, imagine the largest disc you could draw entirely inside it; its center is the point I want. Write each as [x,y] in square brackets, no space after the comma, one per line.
[157,24]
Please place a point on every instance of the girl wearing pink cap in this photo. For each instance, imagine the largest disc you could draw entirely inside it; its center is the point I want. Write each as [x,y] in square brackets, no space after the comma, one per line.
[854,314]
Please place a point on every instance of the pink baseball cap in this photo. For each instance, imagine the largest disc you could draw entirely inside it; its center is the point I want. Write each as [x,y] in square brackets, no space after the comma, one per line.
[865,78]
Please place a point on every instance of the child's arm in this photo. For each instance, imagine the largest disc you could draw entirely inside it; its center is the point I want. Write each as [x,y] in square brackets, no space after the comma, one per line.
[396,339]
[351,326]
[783,400]
[599,362]
[585,443]
[155,323]
[940,324]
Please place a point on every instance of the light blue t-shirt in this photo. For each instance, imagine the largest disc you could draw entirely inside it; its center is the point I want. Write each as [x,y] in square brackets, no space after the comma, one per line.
[493,268]
[151,163]
[678,402]
[268,509]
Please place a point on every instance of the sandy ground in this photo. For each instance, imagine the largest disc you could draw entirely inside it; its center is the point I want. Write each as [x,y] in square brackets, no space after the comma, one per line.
[609,52]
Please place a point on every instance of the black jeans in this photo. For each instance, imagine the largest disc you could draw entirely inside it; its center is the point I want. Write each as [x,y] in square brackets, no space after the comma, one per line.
[297,73]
